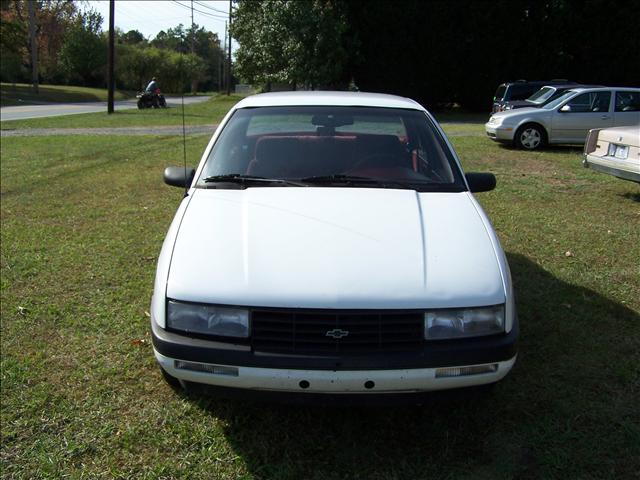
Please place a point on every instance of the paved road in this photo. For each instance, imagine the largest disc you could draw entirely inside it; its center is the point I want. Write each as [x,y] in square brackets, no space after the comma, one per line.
[55,109]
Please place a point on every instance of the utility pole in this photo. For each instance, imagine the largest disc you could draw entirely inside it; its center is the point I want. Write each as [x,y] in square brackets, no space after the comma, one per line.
[223,78]
[110,59]
[34,46]
[194,80]
[229,54]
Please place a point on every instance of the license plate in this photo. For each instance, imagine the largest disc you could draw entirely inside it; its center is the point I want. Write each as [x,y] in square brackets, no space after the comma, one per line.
[619,151]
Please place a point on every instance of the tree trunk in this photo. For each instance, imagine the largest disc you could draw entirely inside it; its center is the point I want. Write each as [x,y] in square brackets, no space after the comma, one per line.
[34,46]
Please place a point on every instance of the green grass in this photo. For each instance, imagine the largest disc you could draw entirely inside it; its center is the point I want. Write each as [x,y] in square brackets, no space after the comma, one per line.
[205,113]
[22,94]
[83,219]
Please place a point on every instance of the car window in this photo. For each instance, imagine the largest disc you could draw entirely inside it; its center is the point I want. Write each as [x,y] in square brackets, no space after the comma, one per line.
[559,100]
[500,93]
[541,95]
[590,102]
[297,142]
[556,94]
[627,101]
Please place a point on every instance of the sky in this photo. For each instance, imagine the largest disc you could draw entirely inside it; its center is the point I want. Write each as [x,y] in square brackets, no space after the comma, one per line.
[149,17]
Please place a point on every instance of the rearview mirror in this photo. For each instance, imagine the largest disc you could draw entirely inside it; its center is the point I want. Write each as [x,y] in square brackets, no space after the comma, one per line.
[179,176]
[565,108]
[481,182]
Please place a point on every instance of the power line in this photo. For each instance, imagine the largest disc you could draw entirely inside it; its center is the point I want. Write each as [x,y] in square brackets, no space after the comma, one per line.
[210,8]
[211,15]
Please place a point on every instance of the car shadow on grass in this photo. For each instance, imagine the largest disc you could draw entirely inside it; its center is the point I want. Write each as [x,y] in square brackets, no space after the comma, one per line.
[577,149]
[571,393]
[634,197]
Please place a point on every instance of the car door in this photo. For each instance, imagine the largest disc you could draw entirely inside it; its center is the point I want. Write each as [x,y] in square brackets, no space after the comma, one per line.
[572,121]
[626,108]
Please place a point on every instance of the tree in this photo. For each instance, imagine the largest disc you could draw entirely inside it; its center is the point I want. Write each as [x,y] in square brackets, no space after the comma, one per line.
[13,37]
[84,51]
[303,43]
[206,46]
[52,19]
[132,37]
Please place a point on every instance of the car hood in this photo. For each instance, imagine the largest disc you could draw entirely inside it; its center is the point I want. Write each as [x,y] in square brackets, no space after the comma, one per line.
[334,248]
[520,112]
[523,104]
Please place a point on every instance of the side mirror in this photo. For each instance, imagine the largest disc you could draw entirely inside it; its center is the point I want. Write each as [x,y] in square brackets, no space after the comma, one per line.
[179,176]
[481,182]
[565,108]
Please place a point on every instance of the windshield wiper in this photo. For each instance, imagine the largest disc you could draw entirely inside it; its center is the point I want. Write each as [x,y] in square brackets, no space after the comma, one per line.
[340,178]
[353,180]
[249,180]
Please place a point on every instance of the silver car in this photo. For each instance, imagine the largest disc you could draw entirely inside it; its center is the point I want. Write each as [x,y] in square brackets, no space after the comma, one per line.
[568,118]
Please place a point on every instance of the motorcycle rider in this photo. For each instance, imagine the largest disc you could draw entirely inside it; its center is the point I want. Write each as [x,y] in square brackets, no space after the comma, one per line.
[153,85]
[153,89]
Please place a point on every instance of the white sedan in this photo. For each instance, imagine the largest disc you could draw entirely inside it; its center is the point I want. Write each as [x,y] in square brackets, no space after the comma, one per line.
[615,151]
[329,243]
[567,119]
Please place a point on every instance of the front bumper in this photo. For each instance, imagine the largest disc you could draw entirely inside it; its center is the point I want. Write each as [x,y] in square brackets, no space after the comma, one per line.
[334,382]
[499,133]
[482,360]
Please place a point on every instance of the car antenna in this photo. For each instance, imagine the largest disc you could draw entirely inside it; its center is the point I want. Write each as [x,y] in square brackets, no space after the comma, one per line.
[184,133]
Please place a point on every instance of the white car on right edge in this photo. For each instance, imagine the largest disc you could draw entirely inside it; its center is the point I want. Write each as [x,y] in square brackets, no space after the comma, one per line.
[615,151]
[568,118]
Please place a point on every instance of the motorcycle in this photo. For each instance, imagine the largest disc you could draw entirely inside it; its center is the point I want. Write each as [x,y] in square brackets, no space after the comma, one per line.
[153,99]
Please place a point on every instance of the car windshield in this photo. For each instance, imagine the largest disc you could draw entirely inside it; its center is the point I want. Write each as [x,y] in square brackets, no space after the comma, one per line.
[541,95]
[331,146]
[499,95]
[553,104]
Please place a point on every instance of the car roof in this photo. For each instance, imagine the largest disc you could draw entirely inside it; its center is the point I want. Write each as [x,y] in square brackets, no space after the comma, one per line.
[540,82]
[328,98]
[597,89]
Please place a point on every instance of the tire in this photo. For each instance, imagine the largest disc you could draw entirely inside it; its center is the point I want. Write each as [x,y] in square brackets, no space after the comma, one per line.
[172,381]
[163,102]
[530,137]
[140,104]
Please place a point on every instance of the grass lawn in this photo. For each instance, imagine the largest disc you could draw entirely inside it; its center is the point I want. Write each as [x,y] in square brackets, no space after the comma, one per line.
[83,219]
[22,94]
[204,113]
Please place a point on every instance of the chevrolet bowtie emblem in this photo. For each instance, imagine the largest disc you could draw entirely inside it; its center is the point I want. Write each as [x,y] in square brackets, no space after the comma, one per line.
[337,333]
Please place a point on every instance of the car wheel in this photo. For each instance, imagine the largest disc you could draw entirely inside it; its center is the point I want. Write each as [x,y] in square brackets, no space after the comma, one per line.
[530,137]
[140,104]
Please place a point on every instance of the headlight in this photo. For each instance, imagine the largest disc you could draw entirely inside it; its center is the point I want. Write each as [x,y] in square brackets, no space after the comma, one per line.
[461,323]
[208,319]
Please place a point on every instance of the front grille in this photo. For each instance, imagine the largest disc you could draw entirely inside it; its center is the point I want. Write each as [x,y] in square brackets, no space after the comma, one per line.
[329,333]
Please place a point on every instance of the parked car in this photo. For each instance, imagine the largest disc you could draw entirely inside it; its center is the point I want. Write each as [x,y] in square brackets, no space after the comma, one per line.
[508,92]
[568,118]
[615,151]
[329,243]
[545,95]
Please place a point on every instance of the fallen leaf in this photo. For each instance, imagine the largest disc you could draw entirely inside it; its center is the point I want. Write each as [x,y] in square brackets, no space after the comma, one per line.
[568,253]
[22,310]
[147,314]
